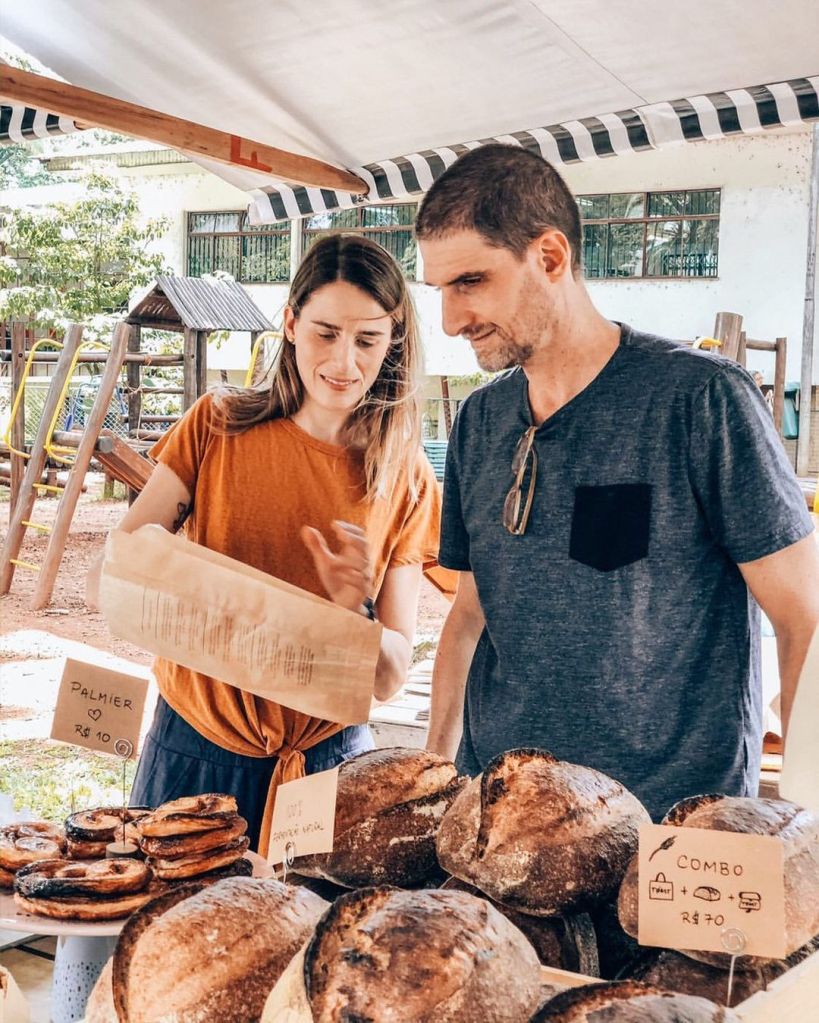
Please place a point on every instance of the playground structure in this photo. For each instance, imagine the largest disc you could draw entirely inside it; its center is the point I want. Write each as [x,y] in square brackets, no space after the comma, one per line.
[71,437]
[103,421]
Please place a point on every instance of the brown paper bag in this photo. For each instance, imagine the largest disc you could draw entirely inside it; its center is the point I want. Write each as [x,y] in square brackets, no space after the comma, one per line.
[217,616]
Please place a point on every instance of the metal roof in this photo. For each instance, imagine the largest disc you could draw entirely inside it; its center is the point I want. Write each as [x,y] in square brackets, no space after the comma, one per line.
[174,303]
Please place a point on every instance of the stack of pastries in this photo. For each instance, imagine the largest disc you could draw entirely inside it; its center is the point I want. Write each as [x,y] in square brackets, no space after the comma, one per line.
[89,832]
[193,837]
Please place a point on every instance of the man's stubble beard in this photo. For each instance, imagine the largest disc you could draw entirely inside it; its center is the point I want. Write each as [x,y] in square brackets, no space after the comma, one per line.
[533,325]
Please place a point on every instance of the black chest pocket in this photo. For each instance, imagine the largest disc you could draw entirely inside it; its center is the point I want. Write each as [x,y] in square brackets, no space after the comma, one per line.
[610,525]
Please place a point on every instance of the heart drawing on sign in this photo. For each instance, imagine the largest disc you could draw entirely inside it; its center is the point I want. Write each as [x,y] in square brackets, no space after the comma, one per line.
[95,714]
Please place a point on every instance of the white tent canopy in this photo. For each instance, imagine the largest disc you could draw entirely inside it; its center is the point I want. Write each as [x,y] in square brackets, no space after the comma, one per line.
[363,84]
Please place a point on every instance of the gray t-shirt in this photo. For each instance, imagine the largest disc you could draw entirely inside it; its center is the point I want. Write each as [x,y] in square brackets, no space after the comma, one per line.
[619,631]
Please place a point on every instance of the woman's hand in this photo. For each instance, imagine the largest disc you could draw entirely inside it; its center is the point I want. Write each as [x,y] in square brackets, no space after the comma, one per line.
[346,576]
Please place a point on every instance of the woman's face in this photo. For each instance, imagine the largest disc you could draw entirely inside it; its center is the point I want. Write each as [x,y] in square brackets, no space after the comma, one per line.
[341,336]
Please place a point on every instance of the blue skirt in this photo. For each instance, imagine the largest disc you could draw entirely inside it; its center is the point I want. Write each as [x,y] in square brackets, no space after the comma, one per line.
[177,761]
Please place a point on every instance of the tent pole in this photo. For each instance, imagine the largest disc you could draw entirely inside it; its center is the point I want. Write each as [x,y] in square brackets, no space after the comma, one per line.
[806,379]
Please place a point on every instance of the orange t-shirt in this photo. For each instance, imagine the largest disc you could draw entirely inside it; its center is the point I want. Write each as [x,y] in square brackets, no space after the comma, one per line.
[252,493]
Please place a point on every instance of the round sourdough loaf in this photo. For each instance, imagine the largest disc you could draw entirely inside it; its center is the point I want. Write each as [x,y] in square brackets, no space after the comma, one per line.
[798,831]
[562,942]
[383,955]
[390,803]
[677,972]
[210,953]
[627,1001]
[541,835]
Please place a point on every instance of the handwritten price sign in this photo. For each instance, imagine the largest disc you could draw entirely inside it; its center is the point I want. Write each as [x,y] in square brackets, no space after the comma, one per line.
[99,709]
[716,891]
[304,817]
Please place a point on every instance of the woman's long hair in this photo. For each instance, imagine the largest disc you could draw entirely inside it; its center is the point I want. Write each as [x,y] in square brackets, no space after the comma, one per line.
[386,425]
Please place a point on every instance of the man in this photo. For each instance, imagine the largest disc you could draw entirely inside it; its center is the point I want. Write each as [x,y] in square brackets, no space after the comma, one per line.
[611,503]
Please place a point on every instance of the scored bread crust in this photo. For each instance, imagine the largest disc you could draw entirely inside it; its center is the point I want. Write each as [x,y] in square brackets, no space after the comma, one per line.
[86,878]
[210,954]
[798,830]
[428,956]
[389,805]
[176,846]
[191,866]
[674,971]
[187,814]
[629,1002]
[541,835]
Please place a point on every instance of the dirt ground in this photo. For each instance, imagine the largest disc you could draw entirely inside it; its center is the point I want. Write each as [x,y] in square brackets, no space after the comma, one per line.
[67,615]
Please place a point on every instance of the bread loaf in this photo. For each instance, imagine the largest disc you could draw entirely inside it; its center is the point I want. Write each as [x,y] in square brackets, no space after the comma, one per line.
[213,953]
[562,942]
[629,1002]
[383,955]
[541,835]
[798,831]
[390,802]
[677,972]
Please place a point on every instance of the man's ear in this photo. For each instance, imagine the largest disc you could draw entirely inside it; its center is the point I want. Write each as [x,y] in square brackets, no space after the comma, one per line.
[554,253]
[289,325]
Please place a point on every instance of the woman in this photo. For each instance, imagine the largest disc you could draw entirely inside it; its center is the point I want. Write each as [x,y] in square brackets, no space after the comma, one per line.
[317,480]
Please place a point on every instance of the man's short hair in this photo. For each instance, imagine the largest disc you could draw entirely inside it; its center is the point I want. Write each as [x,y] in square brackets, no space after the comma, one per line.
[505,193]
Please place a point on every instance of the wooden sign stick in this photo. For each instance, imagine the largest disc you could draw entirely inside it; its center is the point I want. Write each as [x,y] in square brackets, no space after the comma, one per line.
[94,110]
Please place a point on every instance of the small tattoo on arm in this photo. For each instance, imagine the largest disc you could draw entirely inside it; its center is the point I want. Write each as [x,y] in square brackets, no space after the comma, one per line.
[182,512]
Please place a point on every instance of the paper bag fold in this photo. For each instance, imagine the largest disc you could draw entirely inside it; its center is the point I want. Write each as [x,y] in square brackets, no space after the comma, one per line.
[227,620]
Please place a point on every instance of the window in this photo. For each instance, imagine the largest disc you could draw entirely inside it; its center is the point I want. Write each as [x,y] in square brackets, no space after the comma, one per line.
[390,226]
[651,234]
[226,241]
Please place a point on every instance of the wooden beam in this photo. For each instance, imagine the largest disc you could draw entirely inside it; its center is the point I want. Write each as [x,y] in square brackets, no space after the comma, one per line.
[21,512]
[95,110]
[189,369]
[18,427]
[85,450]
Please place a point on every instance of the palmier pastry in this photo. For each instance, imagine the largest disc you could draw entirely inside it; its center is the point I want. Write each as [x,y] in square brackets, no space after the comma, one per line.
[192,866]
[176,846]
[77,907]
[93,828]
[6,878]
[28,842]
[64,878]
[188,814]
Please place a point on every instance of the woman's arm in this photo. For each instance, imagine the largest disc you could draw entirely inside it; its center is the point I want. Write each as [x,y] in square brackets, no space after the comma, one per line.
[164,500]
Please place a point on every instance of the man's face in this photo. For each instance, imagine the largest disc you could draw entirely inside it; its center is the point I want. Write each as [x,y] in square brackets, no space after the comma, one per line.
[498,302]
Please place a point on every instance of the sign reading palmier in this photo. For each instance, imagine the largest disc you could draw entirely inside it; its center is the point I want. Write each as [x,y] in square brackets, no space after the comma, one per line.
[711,891]
[304,817]
[99,709]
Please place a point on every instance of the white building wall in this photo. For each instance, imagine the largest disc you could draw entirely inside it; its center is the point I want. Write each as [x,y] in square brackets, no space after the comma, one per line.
[762,243]
[762,239]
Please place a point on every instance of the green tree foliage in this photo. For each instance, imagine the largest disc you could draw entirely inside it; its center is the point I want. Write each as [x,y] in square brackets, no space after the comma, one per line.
[19,169]
[72,262]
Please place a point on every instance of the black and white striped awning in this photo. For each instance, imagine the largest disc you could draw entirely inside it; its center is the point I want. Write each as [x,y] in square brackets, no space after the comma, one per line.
[654,126]
[25,124]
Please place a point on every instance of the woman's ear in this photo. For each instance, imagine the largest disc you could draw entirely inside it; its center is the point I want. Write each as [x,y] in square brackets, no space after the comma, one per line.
[289,325]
